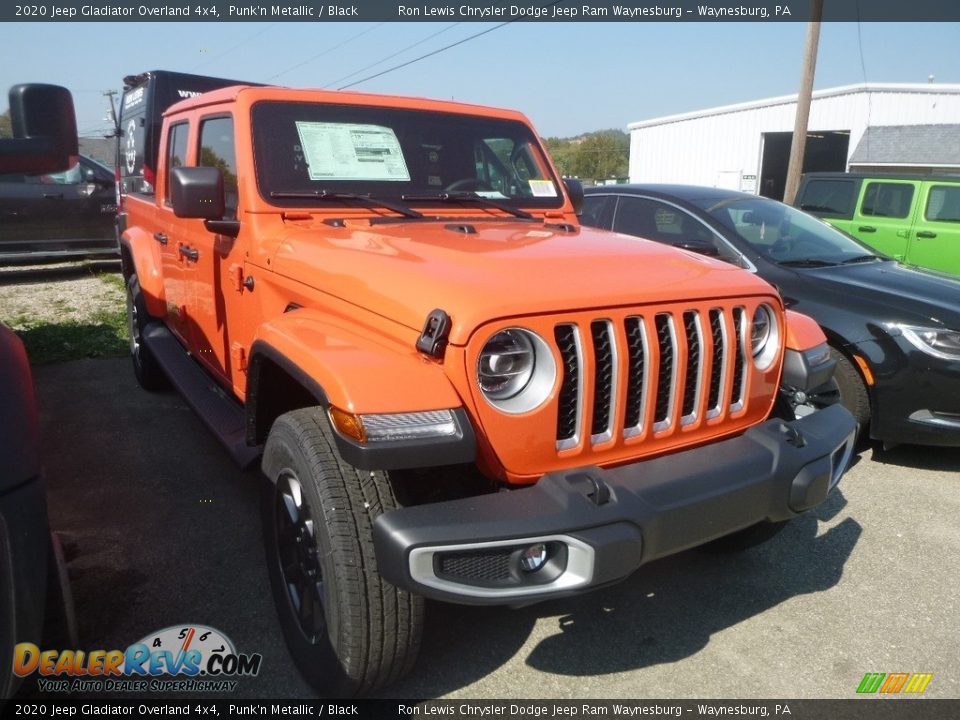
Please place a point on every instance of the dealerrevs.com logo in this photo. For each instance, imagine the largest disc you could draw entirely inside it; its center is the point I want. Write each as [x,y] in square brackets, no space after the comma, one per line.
[180,658]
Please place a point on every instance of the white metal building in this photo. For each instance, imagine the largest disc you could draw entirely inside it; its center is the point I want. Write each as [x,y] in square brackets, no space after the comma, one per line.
[747,146]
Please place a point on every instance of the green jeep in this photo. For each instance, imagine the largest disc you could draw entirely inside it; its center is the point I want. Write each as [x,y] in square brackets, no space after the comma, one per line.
[912,218]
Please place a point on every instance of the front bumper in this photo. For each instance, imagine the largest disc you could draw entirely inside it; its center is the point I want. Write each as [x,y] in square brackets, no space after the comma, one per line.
[599,525]
[915,396]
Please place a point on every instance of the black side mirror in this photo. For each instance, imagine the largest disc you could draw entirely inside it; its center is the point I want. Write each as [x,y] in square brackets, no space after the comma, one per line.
[197,192]
[575,191]
[698,246]
[44,130]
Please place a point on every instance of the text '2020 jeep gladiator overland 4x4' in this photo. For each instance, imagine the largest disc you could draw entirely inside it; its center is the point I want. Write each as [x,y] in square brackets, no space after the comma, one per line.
[396,310]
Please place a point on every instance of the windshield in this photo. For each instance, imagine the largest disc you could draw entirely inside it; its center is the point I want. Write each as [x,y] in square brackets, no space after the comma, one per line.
[785,235]
[411,156]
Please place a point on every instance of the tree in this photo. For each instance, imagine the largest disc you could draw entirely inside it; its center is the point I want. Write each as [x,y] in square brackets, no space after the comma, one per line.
[6,126]
[594,156]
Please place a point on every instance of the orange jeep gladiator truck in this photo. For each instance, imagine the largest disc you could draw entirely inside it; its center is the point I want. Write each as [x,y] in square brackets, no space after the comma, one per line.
[453,389]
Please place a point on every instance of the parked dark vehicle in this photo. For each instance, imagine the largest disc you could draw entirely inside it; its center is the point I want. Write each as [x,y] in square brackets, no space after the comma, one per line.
[894,331]
[60,215]
[33,580]
[34,593]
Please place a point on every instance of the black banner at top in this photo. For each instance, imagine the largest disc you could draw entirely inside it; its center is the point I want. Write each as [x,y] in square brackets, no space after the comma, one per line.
[476,11]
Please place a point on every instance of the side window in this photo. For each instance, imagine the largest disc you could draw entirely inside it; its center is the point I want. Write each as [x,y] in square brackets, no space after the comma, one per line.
[67,177]
[636,216]
[828,197]
[176,152]
[884,199]
[598,210]
[943,204]
[217,150]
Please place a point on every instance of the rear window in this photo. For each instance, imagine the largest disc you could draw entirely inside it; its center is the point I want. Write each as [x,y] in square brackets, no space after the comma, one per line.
[943,204]
[883,199]
[828,197]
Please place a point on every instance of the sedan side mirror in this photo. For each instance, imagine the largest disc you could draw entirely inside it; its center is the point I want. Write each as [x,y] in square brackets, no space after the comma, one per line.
[698,246]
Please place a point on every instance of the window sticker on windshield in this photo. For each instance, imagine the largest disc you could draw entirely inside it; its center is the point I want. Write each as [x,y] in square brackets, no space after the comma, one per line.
[346,151]
[543,188]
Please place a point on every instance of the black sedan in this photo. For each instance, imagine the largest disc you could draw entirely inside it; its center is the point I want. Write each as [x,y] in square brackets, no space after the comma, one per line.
[894,330]
[58,216]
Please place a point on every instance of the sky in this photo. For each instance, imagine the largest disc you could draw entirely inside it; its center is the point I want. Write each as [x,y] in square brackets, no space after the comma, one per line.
[569,78]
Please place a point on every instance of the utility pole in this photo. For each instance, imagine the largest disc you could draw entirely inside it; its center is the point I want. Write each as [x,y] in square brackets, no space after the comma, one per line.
[799,144]
[112,116]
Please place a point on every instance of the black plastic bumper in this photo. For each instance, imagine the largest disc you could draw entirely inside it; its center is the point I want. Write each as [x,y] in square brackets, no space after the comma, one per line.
[599,525]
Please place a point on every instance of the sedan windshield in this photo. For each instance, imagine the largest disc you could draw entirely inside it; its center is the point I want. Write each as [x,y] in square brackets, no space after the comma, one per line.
[421,158]
[785,235]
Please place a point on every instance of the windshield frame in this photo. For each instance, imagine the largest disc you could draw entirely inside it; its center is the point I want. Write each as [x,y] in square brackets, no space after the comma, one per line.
[412,129]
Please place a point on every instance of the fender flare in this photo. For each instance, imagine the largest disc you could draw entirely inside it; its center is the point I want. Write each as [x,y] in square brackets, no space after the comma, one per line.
[145,262]
[359,374]
[802,332]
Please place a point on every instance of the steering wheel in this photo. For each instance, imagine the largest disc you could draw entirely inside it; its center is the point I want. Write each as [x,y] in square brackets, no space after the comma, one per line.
[781,248]
[468,184]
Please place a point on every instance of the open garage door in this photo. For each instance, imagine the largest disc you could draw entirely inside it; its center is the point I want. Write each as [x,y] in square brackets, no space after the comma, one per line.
[826,151]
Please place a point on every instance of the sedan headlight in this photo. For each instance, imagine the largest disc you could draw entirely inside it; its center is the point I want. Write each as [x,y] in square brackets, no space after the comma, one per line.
[764,337]
[516,370]
[933,341]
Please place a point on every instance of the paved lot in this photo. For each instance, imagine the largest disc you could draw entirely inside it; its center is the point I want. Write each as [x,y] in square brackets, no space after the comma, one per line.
[166,531]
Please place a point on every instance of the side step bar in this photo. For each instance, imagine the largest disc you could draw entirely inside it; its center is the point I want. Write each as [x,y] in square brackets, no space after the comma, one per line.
[217,409]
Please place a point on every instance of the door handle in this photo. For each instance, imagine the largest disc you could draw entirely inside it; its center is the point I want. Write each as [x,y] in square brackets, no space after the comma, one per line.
[189,253]
[866,228]
[160,238]
[53,196]
[926,234]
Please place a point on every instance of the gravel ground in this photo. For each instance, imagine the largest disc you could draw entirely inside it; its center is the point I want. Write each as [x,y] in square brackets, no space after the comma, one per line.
[50,294]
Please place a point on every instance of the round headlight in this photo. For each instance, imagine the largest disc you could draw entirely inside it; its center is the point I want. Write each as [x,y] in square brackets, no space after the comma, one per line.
[764,337]
[760,329]
[516,370]
[506,364]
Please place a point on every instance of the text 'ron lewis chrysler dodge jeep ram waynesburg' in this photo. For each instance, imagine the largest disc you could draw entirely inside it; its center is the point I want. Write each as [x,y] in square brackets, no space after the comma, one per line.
[454,390]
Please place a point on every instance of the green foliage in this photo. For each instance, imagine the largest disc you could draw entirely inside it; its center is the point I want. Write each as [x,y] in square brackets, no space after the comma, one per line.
[6,125]
[594,156]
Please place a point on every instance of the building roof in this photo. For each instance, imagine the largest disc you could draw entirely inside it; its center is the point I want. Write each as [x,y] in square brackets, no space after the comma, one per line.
[103,150]
[862,88]
[928,145]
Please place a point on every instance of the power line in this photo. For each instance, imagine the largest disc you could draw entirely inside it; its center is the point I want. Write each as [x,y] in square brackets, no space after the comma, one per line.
[437,52]
[392,55]
[424,57]
[231,49]
[326,52]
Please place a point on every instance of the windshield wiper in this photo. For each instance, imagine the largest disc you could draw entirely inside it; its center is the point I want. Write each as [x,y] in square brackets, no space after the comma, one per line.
[368,200]
[860,259]
[807,262]
[469,197]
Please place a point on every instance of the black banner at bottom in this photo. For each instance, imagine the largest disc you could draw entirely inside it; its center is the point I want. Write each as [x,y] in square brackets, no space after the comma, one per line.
[865,708]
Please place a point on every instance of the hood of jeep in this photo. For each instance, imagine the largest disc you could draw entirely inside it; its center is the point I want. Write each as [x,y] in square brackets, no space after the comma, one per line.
[483,270]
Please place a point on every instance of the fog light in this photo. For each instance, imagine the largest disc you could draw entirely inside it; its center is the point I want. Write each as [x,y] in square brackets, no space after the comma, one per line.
[534,557]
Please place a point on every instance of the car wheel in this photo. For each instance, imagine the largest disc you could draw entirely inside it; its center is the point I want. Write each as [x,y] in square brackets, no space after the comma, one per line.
[348,630]
[853,391]
[150,375]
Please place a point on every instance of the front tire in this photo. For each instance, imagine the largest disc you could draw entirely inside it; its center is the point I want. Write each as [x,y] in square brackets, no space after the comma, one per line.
[348,630]
[150,375]
[853,391]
